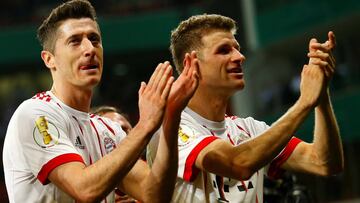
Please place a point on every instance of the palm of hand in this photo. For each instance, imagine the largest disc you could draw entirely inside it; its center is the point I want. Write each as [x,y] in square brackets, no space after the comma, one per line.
[182,90]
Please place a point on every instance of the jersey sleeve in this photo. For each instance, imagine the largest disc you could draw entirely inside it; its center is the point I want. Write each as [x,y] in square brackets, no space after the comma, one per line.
[191,141]
[275,170]
[43,134]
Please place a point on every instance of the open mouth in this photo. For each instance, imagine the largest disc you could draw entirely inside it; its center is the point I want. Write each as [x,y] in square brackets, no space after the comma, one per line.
[235,70]
[89,67]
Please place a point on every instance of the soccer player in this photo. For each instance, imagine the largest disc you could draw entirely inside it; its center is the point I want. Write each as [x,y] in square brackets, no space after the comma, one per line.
[224,158]
[55,151]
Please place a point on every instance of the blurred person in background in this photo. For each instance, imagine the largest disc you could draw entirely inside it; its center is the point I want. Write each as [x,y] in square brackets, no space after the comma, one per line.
[224,158]
[114,114]
[55,151]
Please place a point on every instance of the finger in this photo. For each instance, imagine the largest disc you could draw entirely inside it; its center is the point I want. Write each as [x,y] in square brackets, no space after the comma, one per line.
[331,39]
[194,62]
[159,77]
[327,71]
[312,41]
[142,88]
[320,63]
[332,60]
[167,88]
[186,64]
[324,47]
[164,78]
[154,75]
[320,55]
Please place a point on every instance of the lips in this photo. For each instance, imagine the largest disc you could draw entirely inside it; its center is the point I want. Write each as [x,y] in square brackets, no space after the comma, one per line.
[89,66]
[235,70]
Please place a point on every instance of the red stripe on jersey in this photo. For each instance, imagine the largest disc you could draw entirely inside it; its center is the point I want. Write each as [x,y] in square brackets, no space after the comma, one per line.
[55,162]
[92,115]
[274,170]
[81,130]
[232,142]
[243,130]
[190,171]
[107,126]
[98,137]
[42,96]
[231,117]
[244,185]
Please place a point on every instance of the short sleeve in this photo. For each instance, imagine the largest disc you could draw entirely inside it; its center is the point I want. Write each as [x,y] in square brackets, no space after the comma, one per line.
[191,141]
[43,135]
[275,170]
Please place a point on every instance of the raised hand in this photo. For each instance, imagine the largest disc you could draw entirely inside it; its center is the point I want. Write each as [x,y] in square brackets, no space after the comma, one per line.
[186,84]
[321,54]
[154,95]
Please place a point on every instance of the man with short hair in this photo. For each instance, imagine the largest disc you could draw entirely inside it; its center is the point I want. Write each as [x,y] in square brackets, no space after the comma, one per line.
[224,158]
[55,151]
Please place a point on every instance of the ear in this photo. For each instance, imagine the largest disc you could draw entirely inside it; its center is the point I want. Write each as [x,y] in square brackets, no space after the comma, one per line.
[48,58]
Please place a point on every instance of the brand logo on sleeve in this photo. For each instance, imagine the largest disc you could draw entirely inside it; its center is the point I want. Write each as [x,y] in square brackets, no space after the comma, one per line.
[45,133]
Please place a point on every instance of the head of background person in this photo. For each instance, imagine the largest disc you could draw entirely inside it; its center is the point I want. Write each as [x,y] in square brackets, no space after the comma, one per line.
[115,115]
[72,46]
[220,60]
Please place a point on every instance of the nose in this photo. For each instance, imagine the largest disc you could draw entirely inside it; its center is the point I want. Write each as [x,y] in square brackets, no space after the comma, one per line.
[88,47]
[238,56]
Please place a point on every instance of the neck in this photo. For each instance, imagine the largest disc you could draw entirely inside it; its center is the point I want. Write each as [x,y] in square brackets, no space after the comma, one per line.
[209,105]
[75,97]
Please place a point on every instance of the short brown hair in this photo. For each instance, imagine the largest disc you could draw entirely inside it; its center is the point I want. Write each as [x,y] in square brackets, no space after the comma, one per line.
[101,110]
[187,36]
[75,9]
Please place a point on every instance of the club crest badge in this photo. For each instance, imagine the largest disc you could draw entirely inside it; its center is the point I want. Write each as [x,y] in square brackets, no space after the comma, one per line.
[185,134]
[109,144]
[45,133]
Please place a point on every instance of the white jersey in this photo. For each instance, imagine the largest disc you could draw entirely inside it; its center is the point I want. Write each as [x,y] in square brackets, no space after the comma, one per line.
[44,133]
[195,186]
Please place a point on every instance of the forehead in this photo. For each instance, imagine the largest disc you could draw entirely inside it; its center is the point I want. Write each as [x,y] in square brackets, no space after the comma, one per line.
[218,37]
[77,26]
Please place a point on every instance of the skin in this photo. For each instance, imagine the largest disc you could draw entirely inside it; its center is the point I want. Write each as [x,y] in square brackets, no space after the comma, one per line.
[76,66]
[220,60]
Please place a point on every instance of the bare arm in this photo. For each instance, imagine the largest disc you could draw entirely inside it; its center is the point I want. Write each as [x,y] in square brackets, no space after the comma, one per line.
[325,155]
[94,182]
[157,184]
[240,162]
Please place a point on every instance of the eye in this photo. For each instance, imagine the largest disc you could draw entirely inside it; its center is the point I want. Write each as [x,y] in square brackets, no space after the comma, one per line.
[223,49]
[74,40]
[95,39]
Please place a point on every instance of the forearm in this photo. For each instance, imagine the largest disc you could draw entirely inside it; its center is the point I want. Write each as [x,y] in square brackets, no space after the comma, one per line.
[159,185]
[327,142]
[263,149]
[94,182]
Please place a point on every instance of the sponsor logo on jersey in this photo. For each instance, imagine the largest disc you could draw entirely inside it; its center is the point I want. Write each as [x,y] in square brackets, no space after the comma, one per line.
[45,133]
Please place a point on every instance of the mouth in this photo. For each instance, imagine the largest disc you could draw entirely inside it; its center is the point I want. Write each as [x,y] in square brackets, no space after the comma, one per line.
[89,67]
[235,70]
